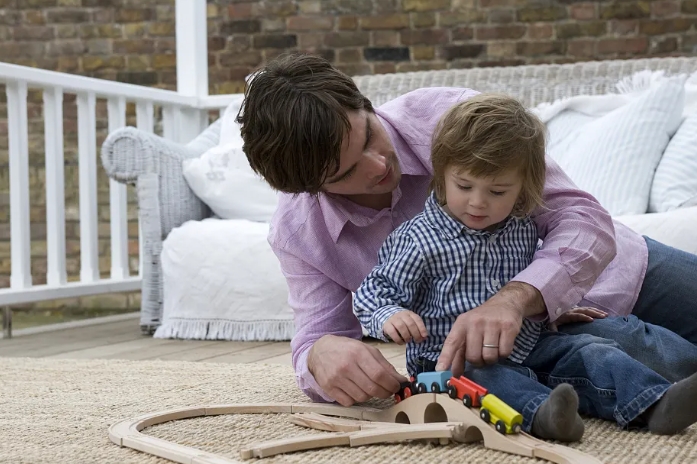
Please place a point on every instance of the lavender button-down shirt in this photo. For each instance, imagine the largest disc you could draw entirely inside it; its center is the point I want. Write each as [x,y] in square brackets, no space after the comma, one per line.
[327,245]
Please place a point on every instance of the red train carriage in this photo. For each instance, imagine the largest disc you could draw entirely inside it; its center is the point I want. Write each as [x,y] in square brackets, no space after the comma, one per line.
[469,392]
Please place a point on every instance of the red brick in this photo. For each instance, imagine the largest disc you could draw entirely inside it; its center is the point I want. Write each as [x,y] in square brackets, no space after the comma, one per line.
[424,37]
[661,46]
[385,38]
[394,21]
[583,11]
[384,68]
[462,33]
[581,47]
[499,32]
[350,55]
[624,27]
[626,10]
[425,5]
[242,10]
[309,23]
[310,40]
[419,20]
[665,8]
[626,45]
[664,26]
[540,31]
[345,23]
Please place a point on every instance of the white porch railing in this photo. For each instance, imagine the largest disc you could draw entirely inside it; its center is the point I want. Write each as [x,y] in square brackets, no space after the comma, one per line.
[184,115]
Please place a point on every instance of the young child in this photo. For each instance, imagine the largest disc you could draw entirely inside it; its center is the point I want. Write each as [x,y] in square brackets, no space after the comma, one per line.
[474,235]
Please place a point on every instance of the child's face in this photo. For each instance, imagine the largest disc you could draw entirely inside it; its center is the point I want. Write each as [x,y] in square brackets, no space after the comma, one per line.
[481,202]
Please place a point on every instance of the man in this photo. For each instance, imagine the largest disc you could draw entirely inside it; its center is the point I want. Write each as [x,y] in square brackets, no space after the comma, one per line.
[351,174]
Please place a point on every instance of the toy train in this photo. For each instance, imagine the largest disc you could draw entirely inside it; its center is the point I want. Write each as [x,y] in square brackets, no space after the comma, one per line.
[492,409]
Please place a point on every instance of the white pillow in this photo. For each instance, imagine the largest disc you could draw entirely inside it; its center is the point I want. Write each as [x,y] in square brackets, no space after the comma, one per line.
[675,228]
[223,179]
[614,156]
[675,181]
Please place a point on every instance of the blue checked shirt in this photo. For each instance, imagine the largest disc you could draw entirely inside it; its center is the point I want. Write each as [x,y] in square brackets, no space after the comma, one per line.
[439,268]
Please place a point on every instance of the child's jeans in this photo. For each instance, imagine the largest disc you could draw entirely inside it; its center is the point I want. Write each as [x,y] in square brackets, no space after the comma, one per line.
[610,384]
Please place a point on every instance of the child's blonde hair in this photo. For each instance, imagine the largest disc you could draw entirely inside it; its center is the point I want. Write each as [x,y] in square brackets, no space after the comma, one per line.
[487,135]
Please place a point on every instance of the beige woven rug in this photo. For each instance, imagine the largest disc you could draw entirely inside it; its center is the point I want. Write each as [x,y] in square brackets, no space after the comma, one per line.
[58,411]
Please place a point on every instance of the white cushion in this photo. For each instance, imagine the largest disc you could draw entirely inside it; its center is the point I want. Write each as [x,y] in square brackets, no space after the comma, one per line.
[222,178]
[222,281]
[675,181]
[675,228]
[614,156]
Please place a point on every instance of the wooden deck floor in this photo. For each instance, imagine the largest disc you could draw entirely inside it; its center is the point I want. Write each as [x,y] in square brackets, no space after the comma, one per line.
[122,340]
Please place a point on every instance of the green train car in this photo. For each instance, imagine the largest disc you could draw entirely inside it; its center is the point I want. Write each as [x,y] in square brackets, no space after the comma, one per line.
[505,418]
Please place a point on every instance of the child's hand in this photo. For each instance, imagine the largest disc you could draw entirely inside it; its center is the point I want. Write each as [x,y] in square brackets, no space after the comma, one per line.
[405,326]
[584,314]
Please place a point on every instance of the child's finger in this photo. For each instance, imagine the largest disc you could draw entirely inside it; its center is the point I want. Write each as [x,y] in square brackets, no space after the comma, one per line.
[401,325]
[419,325]
[391,332]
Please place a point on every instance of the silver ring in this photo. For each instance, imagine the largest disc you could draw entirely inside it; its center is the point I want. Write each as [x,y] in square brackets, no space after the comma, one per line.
[486,345]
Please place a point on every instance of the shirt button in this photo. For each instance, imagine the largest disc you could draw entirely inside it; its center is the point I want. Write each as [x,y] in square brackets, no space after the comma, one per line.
[558,311]
[494,283]
[492,239]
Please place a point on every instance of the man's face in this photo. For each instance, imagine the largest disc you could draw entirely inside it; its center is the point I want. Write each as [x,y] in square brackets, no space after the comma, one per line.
[480,203]
[369,165]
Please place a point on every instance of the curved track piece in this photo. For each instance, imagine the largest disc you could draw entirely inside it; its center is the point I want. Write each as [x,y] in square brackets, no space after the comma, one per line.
[426,416]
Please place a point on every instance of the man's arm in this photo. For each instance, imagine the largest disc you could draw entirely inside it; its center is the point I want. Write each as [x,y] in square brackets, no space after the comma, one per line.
[331,362]
[578,243]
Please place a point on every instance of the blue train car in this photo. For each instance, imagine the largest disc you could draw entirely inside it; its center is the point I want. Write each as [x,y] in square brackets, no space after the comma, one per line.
[435,382]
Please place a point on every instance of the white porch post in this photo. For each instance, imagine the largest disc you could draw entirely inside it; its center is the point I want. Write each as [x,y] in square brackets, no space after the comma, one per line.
[192,65]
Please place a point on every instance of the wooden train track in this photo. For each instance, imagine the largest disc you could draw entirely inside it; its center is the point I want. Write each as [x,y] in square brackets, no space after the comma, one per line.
[428,416]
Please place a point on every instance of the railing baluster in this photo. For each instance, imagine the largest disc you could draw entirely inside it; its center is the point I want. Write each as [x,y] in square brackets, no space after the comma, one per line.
[170,122]
[55,186]
[19,185]
[144,122]
[144,116]
[118,203]
[87,148]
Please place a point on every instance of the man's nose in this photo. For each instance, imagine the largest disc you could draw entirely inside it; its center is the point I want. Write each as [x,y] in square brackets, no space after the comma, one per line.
[378,165]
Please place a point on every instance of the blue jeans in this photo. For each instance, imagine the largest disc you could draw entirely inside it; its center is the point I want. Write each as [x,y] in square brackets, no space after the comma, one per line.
[663,332]
[610,384]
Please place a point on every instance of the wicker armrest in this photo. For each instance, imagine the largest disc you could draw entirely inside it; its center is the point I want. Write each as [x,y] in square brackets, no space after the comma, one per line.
[165,200]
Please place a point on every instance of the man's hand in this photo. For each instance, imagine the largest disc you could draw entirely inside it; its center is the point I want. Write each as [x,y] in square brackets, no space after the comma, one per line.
[404,327]
[351,371]
[487,333]
[583,314]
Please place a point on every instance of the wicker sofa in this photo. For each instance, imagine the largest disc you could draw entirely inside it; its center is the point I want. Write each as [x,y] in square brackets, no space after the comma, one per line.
[165,200]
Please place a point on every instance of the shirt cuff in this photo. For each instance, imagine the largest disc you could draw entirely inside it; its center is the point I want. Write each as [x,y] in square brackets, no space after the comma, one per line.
[554,283]
[307,383]
[378,321]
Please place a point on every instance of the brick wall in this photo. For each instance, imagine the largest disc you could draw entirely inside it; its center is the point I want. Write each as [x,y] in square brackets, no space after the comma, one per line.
[133,41]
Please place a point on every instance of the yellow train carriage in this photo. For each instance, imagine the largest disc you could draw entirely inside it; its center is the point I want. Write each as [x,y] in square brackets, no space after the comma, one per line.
[505,418]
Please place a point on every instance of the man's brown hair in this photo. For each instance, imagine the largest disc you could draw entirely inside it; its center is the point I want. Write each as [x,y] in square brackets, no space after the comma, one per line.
[294,119]
[487,135]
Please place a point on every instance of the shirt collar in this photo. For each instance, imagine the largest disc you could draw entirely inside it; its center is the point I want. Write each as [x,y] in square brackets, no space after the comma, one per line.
[338,211]
[451,227]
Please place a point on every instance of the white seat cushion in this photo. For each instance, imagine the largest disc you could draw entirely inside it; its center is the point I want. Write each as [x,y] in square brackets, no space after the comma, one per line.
[676,228]
[222,281]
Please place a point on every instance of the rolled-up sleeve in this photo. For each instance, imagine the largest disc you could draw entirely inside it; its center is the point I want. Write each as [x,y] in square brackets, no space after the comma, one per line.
[320,307]
[578,243]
